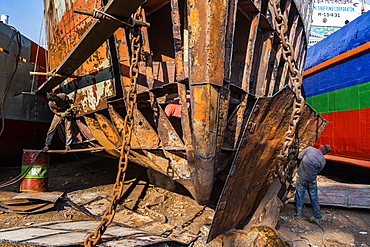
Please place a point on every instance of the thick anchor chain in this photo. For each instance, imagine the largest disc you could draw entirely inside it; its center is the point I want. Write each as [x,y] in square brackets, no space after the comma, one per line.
[295,79]
[131,95]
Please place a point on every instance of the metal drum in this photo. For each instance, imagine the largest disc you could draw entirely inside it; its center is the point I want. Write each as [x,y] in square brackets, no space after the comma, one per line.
[37,177]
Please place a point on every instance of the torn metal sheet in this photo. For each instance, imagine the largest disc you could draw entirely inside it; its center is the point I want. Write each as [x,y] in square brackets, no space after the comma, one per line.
[30,202]
[27,209]
[52,196]
[147,224]
[74,233]
[127,218]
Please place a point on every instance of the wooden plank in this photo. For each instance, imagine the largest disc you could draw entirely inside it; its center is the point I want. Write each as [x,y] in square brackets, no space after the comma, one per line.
[94,37]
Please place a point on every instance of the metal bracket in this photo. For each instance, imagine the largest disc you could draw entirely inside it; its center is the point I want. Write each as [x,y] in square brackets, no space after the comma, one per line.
[53,74]
[98,14]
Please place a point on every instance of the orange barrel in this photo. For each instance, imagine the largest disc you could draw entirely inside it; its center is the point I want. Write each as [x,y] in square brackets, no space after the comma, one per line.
[37,178]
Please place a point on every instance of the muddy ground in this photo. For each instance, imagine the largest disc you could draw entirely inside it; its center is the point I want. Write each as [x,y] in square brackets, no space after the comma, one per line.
[79,175]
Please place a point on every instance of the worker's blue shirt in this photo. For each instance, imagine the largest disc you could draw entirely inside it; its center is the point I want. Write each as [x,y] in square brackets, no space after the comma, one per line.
[313,161]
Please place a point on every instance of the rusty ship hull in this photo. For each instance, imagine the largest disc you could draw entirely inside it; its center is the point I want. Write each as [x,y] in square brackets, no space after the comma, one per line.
[24,118]
[222,60]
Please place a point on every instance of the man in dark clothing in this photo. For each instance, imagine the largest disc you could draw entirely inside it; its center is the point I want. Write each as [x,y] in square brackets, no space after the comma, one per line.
[312,162]
[59,104]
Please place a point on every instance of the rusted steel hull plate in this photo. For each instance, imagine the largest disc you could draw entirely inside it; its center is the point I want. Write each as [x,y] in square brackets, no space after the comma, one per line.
[96,35]
[254,163]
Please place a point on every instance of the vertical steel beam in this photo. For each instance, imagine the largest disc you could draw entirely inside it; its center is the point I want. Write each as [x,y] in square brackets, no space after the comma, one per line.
[274,81]
[180,74]
[177,40]
[207,21]
[261,83]
[207,28]
[229,42]
[250,53]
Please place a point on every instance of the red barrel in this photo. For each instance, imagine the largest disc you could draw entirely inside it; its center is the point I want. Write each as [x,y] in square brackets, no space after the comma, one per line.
[37,178]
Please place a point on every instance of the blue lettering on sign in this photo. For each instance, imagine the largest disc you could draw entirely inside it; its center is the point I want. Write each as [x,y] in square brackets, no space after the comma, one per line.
[334,1]
[330,8]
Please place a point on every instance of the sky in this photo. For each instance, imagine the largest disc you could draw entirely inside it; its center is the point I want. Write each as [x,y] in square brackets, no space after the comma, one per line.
[26,16]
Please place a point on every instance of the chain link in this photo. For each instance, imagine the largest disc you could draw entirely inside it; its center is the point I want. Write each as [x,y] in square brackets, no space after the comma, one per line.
[295,79]
[117,191]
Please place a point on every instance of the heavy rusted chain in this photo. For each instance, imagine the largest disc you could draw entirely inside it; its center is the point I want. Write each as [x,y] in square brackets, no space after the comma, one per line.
[117,191]
[295,79]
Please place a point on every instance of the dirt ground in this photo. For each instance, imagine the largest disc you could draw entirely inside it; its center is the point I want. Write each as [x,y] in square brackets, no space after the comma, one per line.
[79,175]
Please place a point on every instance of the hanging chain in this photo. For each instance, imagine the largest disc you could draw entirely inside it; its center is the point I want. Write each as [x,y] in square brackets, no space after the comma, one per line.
[295,78]
[131,95]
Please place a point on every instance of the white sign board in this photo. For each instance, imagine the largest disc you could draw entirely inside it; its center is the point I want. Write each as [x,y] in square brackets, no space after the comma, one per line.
[335,13]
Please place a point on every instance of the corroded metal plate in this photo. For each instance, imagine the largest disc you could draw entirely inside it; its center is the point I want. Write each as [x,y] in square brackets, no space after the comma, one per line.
[254,162]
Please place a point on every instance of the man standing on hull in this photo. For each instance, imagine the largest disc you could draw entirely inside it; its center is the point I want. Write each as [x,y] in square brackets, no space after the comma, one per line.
[312,162]
[60,105]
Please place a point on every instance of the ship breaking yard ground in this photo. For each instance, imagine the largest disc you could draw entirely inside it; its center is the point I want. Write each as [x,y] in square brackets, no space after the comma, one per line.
[87,182]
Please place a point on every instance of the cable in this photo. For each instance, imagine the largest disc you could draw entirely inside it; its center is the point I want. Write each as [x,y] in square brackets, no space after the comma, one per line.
[322,235]
[37,57]
[20,176]
[318,224]
[294,240]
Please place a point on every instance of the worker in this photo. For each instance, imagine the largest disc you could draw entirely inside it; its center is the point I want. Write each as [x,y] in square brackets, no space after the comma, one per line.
[60,105]
[312,162]
[174,107]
